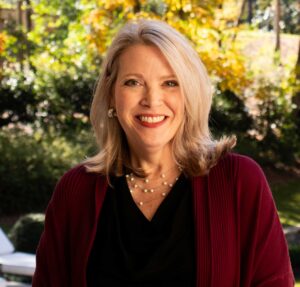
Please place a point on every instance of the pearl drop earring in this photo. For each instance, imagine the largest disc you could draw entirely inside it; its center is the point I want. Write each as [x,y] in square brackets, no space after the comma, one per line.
[111,113]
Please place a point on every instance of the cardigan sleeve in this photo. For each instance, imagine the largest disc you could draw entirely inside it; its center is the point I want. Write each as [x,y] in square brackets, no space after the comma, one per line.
[51,257]
[264,251]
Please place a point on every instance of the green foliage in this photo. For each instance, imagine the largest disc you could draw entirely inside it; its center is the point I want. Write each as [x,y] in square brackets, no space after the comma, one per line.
[52,20]
[49,73]
[65,99]
[18,101]
[47,99]
[275,122]
[287,198]
[26,232]
[229,114]
[31,164]
[294,251]
[263,17]
[60,37]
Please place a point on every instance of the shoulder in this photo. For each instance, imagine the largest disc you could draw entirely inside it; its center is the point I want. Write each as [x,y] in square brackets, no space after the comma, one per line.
[242,181]
[77,175]
[78,172]
[240,173]
[239,166]
[74,181]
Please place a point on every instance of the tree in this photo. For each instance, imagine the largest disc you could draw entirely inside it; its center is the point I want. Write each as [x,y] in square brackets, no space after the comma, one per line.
[277,26]
[239,19]
[28,13]
[296,98]
[208,24]
[250,11]
[264,14]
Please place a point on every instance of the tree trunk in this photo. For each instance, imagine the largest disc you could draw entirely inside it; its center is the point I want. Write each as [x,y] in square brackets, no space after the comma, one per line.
[276,25]
[296,98]
[19,25]
[297,68]
[239,20]
[19,13]
[137,6]
[28,13]
[250,11]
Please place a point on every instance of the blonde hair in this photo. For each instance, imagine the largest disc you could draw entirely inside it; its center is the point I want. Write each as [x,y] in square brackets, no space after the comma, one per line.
[193,146]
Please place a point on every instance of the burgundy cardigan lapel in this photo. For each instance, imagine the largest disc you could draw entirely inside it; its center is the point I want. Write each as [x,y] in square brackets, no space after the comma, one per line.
[202,231]
[224,226]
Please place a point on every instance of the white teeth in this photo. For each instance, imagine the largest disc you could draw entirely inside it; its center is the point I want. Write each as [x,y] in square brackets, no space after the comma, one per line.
[151,119]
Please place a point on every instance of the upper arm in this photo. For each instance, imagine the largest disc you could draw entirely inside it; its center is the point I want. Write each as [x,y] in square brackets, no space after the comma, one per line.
[264,250]
[51,256]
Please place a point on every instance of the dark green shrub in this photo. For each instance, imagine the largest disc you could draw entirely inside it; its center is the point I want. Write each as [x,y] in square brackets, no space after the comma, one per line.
[31,164]
[65,99]
[26,232]
[229,114]
[275,122]
[294,251]
[59,101]
[18,101]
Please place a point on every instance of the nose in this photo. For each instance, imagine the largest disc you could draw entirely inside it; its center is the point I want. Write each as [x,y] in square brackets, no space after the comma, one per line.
[152,97]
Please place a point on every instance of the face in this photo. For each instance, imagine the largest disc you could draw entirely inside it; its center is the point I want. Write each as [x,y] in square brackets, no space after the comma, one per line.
[147,99]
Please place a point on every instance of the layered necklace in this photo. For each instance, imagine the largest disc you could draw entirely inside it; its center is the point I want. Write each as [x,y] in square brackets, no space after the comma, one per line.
[162,185]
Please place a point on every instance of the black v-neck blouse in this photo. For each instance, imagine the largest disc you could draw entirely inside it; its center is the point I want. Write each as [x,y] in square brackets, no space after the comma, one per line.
[130,250]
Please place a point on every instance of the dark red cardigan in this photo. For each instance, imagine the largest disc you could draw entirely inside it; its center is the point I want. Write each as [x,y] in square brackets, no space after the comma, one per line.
[239,239]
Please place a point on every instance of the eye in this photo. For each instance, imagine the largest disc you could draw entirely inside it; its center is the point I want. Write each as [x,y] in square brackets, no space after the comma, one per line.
[131,83]
[172,83]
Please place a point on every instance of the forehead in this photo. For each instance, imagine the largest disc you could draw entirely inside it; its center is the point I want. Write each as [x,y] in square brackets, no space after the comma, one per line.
[143,57]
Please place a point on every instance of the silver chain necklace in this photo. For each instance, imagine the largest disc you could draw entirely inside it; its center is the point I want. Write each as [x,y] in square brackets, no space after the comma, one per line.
[164,186]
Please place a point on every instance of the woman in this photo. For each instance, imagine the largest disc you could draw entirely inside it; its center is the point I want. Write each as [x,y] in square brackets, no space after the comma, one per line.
[162,203]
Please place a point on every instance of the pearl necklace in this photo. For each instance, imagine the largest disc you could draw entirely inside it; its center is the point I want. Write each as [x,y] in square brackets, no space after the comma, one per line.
[165,185]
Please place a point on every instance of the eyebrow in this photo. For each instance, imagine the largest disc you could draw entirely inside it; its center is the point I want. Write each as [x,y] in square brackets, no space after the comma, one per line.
[141,76]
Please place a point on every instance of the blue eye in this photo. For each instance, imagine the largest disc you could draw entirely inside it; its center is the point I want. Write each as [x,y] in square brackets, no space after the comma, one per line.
[171,83]
[131,83]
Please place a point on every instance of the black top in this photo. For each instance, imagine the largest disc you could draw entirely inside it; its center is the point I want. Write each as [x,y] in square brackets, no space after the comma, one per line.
[130,250]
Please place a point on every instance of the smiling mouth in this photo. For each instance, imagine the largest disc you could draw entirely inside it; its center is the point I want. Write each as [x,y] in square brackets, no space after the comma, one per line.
[151,119]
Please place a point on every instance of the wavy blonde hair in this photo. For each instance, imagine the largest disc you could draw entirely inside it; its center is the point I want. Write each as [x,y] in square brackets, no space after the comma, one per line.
[193,147]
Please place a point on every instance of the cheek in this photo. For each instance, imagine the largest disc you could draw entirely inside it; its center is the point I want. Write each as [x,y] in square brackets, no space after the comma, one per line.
[118,99]
[126,101]
[177,105]
[124,105]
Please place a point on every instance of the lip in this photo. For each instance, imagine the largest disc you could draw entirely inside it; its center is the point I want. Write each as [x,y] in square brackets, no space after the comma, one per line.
[151,125]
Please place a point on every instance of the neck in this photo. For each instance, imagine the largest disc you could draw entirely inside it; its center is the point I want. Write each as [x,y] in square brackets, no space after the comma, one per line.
[154,163]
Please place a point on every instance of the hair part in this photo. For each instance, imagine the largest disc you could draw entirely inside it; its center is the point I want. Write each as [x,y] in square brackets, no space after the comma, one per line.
[193,147]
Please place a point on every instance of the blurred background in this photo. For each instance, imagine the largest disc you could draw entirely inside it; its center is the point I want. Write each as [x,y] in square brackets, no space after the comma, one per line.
[50,57]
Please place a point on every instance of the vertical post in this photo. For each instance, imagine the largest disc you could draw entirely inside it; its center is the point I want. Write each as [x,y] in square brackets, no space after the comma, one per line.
[250,11]
[28,13]
[296,97]
[277,26]
[239,20]
[19,27]
[19,12]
